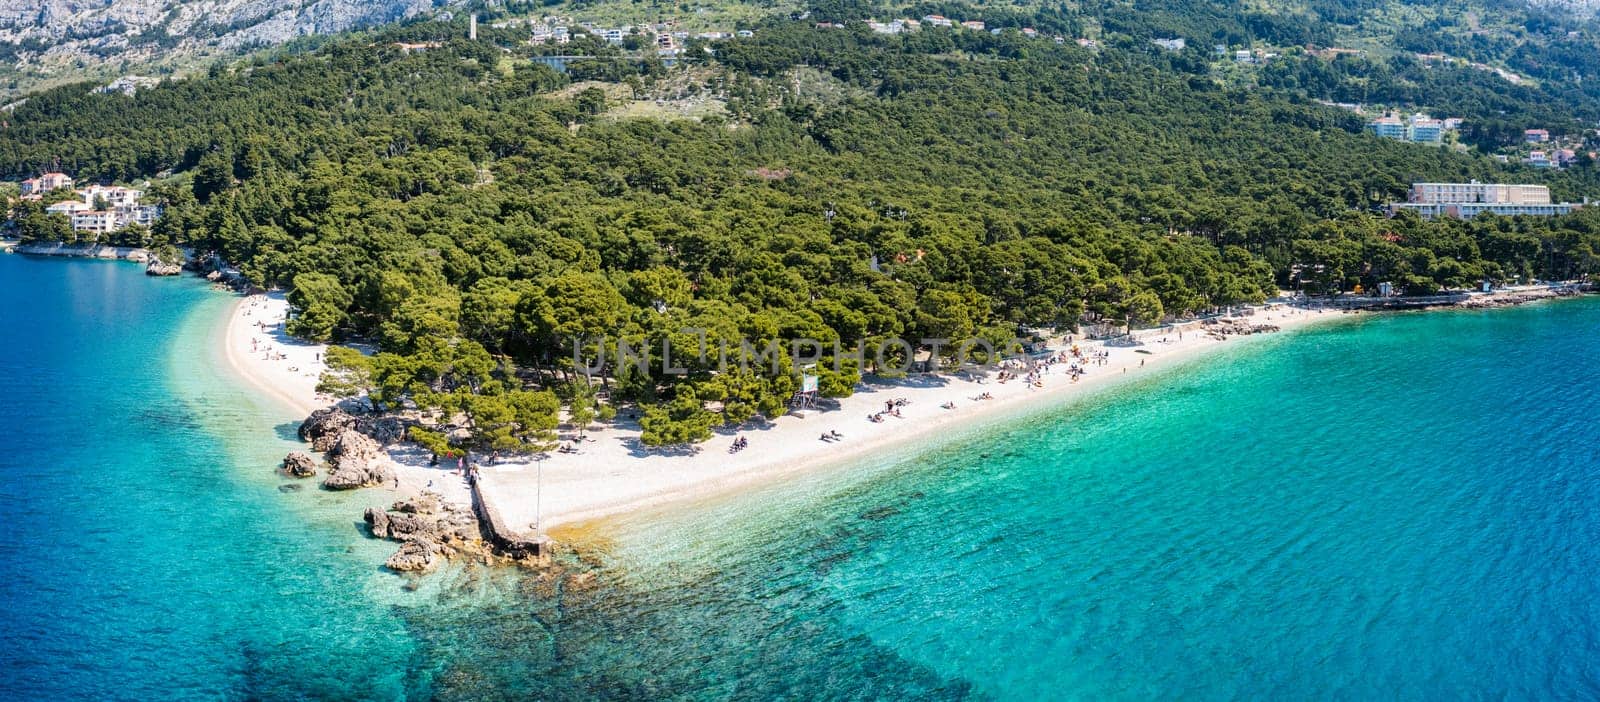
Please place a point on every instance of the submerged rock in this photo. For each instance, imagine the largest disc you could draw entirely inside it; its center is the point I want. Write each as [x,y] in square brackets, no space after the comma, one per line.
[299,464]
[356,461]
[880,513]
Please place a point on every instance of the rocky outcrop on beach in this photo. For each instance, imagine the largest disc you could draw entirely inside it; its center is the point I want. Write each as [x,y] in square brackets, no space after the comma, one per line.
[1222,328]
[299,464]
[428,531]
[355,460]
[325,425]
[1508,297]
[1516,297]
[386,430]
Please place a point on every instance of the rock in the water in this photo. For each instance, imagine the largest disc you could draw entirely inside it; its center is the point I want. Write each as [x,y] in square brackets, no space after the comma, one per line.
[299,464]
[378,521]
[418,555]
[400,527]
[429,529]
[325,424]
[289,487]
[157,267]
[351,445]
[356,461]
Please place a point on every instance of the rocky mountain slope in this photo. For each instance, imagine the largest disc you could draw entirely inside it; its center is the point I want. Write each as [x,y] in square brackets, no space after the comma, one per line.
[1579,8]
[47,41]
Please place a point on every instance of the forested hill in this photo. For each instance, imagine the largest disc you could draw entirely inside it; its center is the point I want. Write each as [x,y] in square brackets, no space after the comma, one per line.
[475,213]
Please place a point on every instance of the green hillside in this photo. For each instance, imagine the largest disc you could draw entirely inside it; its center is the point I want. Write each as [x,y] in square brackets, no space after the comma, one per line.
[478,215]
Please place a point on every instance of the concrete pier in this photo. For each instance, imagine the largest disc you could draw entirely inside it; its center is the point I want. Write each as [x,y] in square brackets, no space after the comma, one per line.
[506,539]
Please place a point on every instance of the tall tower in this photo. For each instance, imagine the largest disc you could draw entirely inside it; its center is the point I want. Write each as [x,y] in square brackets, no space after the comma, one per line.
[472,27]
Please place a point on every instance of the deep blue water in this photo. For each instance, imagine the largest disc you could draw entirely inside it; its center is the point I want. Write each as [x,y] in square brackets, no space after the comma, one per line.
[1392,507]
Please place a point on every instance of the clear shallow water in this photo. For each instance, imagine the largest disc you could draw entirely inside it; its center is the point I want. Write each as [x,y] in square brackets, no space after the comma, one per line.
[148,552]
[1401,507]
[1397,507]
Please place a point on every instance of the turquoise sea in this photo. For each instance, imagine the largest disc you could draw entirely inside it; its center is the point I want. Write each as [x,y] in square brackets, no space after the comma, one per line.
[1390,506]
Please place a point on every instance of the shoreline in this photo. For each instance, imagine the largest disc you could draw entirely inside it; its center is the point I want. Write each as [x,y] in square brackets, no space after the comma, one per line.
[614,478]
[621,480]
[96,251]
[286,370]
[572,496]
[286,387]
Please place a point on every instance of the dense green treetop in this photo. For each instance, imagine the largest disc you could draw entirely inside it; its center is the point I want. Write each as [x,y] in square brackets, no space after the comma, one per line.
[495,230]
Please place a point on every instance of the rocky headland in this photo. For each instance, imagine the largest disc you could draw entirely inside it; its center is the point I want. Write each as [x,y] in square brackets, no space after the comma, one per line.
[428,531]
[428,528]
[355,460]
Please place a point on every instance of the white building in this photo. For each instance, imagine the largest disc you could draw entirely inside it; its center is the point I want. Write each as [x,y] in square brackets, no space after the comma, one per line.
[101,209]
[113,196]
[142,215]
[98,221]
[45,183]
[68,207]
[1468,200]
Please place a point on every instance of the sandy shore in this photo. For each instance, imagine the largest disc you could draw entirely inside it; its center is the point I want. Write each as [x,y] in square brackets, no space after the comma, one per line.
[264,355]
[286,370]
[614,474]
